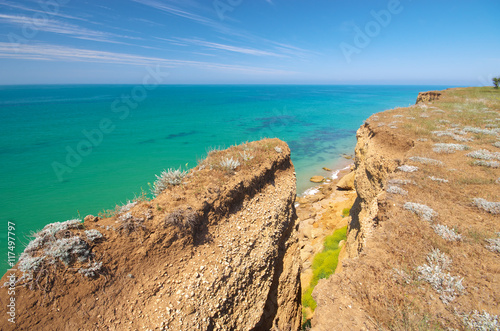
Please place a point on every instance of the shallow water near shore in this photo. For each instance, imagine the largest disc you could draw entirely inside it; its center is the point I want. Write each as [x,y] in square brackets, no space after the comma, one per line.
[72,150]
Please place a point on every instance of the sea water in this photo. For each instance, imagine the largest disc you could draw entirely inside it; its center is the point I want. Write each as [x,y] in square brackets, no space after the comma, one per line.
[71,150]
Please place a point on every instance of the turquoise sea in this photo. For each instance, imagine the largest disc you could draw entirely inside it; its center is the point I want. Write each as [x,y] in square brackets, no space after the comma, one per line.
[71,150]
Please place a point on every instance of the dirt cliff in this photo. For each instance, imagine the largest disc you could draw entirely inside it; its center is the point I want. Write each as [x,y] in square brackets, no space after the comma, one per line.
[423,239]
[216,251]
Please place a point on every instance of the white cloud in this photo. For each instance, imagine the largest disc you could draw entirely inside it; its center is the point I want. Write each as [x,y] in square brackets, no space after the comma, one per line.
[47,52]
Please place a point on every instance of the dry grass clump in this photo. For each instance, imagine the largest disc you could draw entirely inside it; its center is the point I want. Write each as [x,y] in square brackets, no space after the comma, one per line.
[183,217]
[130,224]
[425,160]
[424,212]
[434,272]
[490,207]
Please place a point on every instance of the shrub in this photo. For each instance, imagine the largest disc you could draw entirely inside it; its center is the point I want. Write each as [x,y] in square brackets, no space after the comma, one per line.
[490,207]
[425,213]
[246,156]
[396,190]
[446,233]
[92,270]
[483,131]
[433,272]
[229,164]
[407,168]
[93,234]
[494,244]
[425,160]
[68,249]
[490,164]
[441,180]
[448,148]
[397,181]
[483,154]
[167,178]
[481,322]
[125,208]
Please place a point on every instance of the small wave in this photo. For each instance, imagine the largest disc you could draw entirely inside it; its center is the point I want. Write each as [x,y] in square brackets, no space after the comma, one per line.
[310,191]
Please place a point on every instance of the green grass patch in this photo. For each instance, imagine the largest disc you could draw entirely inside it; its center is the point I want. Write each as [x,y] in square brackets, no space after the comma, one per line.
[324,264]
[345,212]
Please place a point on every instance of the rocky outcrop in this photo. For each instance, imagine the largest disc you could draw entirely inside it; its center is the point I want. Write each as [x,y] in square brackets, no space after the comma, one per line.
[218,252]
[428,96]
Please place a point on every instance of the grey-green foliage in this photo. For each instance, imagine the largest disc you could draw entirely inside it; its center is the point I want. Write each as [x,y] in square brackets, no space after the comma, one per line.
[449,148]
[229,164]
[92,270]
[490,207]
[407,168]
[93,234]
[396,190]
[55,244]
[424,212]
[446,233]
[425,160]
[494,244]
[481,321]
[483,154]
[434,272]
[489,164]
[168,178]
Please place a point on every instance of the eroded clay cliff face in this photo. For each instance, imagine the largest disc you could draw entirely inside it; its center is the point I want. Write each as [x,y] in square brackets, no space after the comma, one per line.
[218,252]
[374,160]
[428,96]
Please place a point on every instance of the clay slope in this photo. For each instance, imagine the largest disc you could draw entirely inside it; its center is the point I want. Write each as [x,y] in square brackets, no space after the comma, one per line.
[423,243]
[217,252]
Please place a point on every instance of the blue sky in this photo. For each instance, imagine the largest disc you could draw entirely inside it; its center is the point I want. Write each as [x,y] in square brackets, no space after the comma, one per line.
[250,41]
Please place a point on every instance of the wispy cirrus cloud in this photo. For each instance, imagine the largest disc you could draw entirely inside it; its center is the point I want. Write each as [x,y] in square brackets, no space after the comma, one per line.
[47,52]
[7,4]
[67,29]
[230,48]
[177,11]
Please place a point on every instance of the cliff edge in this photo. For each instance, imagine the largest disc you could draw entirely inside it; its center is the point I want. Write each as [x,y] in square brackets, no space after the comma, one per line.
[216,251]
[423,242]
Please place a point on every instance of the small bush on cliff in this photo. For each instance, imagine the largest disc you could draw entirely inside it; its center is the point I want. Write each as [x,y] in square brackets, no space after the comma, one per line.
[59,243]
[167,178]
[185,218]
